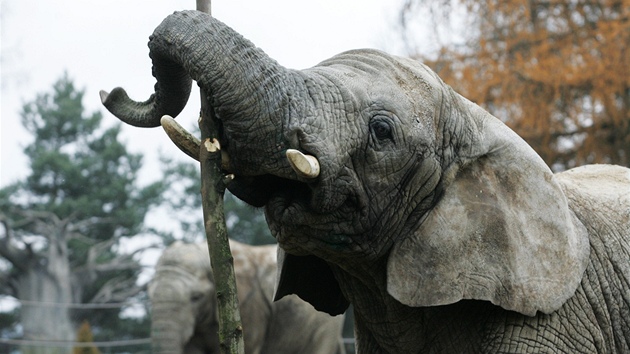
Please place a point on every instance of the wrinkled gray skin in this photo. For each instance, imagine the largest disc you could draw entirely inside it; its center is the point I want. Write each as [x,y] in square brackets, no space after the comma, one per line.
[441,226]
[184,314]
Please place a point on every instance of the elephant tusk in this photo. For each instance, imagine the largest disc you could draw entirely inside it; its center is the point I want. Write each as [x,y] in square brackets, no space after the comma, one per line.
[305,166]
[185,141]
[188,143]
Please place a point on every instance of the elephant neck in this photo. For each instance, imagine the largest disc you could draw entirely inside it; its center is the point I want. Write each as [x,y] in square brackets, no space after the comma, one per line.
[383,324]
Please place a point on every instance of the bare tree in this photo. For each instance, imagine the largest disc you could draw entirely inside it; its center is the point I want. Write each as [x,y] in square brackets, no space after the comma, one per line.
[558,72]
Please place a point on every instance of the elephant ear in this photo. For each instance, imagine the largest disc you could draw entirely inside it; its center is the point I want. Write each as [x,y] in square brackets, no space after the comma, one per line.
[501,232]
[310,278]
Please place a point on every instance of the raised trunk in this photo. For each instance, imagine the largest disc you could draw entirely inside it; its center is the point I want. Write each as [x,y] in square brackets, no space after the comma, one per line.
[248,91]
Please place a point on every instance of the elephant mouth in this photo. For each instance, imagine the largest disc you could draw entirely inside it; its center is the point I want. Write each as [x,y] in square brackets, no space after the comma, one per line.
[302,205]
[306,215]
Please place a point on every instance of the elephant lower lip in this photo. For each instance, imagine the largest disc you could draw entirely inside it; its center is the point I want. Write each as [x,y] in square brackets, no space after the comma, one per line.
[336,240]
[297,224]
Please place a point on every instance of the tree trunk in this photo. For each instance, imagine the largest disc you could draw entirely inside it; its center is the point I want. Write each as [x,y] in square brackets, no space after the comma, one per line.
[45,290]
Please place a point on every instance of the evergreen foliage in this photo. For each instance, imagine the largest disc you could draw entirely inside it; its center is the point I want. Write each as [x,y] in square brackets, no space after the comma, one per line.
[62,225]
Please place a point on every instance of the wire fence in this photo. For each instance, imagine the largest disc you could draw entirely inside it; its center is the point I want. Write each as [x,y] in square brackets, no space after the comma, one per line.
[142,345]
[132,346]
[15,342]
[108,305]
[69,344]
[350,345]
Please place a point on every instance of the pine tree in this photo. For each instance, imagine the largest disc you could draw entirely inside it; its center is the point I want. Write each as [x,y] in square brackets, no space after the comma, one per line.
[62,225]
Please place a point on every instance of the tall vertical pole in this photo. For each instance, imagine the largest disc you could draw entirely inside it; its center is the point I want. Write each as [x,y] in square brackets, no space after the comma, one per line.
[213,183]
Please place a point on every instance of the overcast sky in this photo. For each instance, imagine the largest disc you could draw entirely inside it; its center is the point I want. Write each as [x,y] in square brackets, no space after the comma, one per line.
[103,44]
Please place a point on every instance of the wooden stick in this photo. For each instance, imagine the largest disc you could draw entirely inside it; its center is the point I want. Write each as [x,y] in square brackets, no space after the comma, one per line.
[213,183]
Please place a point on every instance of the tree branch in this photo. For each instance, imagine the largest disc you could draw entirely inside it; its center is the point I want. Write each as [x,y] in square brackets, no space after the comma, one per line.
[6,284]
[17,257]
[117,289]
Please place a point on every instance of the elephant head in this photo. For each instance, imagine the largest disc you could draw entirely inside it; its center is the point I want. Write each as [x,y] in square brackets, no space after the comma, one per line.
[422,198]
[183,317]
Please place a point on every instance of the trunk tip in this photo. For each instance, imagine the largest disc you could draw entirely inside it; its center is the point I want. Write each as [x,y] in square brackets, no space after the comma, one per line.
[104,94]
[138,114]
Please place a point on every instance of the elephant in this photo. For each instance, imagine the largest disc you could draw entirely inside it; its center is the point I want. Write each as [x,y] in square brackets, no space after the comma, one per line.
[184,315]
[387,190]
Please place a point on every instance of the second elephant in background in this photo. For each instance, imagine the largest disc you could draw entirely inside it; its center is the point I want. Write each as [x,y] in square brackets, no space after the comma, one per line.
[184,314]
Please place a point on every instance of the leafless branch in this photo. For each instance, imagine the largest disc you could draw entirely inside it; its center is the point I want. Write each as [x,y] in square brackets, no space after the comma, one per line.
[17,257]
[6,284]
[117,289]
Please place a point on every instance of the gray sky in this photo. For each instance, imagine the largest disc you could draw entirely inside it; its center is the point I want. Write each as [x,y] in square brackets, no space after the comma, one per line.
[103,44]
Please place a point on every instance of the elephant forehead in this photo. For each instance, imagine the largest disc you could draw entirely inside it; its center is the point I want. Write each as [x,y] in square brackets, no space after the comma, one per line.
[168,274]
[189,257]
[168,284]
[374,80]
[377,66]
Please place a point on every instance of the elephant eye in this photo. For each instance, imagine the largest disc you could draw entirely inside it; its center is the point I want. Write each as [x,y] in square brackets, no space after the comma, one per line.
[196,296]
[381,129]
